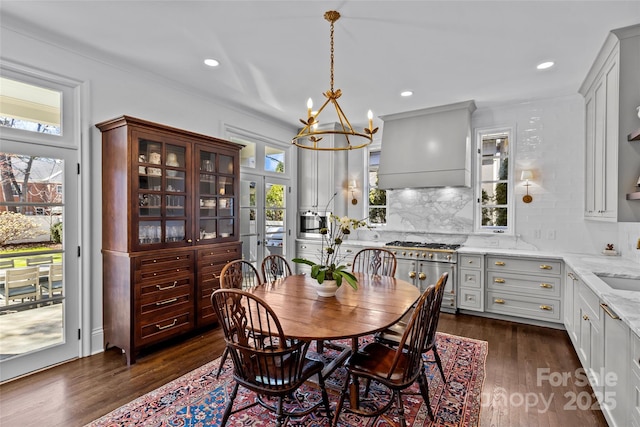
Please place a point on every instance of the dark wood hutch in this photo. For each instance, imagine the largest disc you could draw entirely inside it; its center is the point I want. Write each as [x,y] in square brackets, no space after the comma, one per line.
[169,224]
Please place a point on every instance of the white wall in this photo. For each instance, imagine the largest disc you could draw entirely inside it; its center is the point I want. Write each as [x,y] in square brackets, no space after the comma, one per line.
[114,91]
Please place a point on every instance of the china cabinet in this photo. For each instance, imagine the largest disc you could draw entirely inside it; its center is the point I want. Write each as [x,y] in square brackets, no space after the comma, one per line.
[169,218]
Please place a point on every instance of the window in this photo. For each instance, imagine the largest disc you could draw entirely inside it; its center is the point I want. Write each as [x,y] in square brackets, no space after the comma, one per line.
[377,198]
[494,211]
[29,107]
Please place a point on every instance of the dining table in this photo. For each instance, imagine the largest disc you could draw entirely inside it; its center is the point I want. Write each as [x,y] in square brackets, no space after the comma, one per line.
[377,303]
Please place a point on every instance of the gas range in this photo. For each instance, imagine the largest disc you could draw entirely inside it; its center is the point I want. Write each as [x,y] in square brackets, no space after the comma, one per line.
[441,252]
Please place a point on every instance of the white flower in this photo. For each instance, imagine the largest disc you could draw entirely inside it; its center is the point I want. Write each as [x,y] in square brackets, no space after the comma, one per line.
[345,221]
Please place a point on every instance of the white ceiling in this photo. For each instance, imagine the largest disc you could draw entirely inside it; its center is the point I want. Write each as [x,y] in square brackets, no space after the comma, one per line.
[275,54]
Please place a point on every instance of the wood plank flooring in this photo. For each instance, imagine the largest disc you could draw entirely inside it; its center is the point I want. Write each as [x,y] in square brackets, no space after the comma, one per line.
[516,390]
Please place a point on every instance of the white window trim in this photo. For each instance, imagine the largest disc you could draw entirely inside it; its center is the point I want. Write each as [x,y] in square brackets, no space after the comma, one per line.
[478,228]
[365,195]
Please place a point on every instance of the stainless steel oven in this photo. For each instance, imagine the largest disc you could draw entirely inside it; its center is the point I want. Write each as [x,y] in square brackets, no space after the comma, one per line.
[423,263]
[310,223]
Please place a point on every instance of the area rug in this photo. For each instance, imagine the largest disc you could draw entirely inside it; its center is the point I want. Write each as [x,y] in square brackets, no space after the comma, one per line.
[198,399]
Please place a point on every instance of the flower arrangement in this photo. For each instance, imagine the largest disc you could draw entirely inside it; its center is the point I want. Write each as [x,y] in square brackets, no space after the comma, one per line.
[329,267]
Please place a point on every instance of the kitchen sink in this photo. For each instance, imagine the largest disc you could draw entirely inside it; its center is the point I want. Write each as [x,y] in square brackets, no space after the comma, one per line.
[621,283]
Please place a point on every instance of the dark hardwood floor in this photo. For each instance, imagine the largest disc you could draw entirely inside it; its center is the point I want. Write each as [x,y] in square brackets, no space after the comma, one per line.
[516,391]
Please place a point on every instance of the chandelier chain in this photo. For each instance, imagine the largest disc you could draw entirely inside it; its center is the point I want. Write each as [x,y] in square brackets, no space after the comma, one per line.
[332,56]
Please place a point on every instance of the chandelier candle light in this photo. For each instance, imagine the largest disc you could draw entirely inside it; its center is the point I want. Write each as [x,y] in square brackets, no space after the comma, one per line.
[309,136]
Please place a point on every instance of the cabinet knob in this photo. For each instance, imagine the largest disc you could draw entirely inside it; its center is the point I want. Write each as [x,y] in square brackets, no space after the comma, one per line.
[189,241]
[585,317]
[412,274]
[545,267]
[545,307]
[498,301]
[470,262]
[422,276]
[546,285]
[501,263]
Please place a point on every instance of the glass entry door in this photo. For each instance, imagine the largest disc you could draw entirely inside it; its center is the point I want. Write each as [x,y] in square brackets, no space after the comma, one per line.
[263,221]
[39,298]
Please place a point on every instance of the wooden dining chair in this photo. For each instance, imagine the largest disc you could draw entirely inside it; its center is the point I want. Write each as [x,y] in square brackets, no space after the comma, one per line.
[397,368]
[392,335]
[274,267]
[273,366]
[238,274]
[21,283]
[375,261]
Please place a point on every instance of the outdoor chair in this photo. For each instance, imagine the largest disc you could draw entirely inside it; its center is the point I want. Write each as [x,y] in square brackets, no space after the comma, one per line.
[397,368]
[270,365]
[41,260]
[21,283]
[6,263]
[54,284]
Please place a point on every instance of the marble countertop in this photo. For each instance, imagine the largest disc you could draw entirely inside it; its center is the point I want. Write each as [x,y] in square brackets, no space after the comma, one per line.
[626,304]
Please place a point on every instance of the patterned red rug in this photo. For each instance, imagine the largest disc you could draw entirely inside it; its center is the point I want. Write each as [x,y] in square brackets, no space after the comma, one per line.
[198,399]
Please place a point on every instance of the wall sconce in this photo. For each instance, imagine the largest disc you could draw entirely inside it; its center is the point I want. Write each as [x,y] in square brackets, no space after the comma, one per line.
[526,176]
[353,185]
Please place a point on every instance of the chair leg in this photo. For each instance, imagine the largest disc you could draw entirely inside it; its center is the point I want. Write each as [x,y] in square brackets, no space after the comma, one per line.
[424,391]
[439,363]
[400,409]
[343,394]
[227,412]
[222,360]
[280,418]
[325,396]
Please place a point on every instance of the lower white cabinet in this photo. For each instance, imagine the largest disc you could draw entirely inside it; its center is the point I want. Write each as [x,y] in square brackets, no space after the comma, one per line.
[616,369]
[634,381]
[471,282]
[570,284]
[589,326]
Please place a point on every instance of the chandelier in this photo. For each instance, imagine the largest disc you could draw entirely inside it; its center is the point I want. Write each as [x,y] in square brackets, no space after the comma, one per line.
[310,135]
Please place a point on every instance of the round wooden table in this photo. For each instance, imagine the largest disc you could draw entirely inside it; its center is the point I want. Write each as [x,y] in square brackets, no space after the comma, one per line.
[379,302]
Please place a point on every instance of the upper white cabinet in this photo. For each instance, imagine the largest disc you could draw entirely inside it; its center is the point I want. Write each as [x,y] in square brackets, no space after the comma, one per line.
[612,94]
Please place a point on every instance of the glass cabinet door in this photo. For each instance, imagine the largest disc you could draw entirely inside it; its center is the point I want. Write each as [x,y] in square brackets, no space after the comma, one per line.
[163,185]
[215,196]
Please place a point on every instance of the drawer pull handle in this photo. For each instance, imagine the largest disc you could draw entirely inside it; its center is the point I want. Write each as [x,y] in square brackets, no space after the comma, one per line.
[470,262]
[214,276]
[422,276]
[545,267]
[498,301]
[546,285]
[571,276]
[168,326]
[498,280]
[607,310]
[499,263]
[546,307]
[585,317]
[168,301]
[160,288]
[348,251]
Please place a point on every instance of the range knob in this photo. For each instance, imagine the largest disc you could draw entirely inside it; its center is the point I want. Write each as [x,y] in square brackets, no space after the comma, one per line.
[449,257]
[410,253]
[430,256]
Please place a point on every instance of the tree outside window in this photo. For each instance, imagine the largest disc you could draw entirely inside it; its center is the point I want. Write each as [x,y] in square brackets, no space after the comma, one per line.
[377,197]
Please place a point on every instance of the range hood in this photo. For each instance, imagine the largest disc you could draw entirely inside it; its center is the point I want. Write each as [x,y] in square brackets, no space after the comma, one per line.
[427,148]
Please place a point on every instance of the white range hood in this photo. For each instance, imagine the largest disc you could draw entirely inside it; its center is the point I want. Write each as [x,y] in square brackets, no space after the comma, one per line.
[427,148]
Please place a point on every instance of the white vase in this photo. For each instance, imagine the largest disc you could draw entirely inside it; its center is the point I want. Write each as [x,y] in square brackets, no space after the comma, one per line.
[328,288]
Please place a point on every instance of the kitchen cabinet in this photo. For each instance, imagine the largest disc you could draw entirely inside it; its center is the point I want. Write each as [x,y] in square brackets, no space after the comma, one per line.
[609,92]
[588,322]
[524,287]
[321,174]
[634,381]
[616,369]
[471,282]
[570,284]
[168,200]
[307,249]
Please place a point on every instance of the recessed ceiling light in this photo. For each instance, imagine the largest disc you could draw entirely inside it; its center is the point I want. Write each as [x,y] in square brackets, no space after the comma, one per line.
[545,65]
[211,62]
[406,93]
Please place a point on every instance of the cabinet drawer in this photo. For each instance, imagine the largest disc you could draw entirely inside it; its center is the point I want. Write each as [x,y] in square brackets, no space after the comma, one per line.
[219,254]
[529,285]
[523,306]
[470,261]
[165,327]
[163,288]
[520,265]
[151,307]
[470,278]
[470,299]
[164,262]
